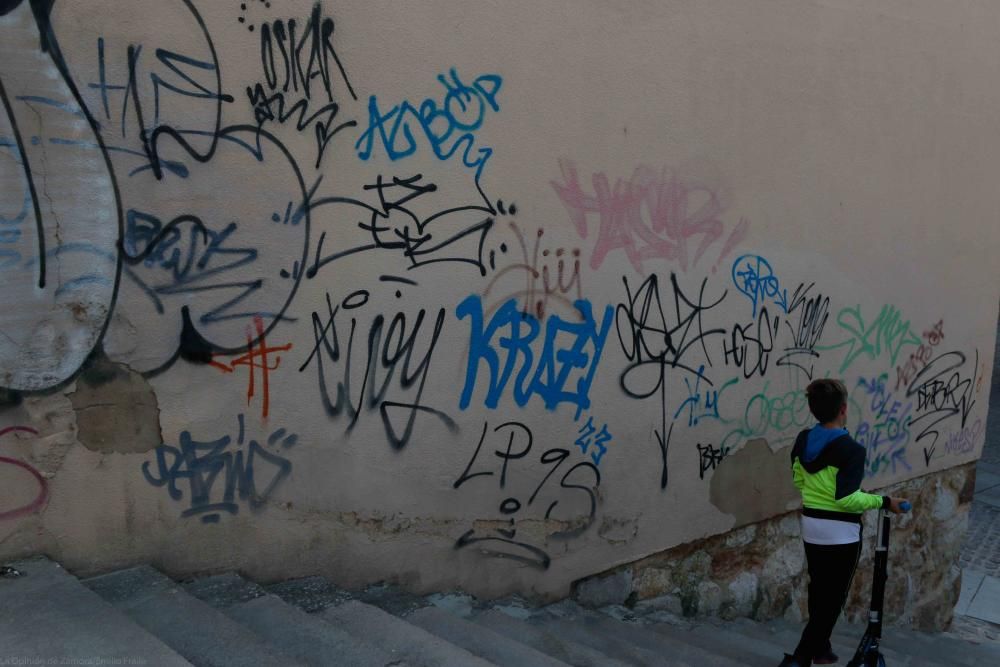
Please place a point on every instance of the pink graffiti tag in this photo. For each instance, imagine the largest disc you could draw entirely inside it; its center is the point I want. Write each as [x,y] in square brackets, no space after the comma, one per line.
[43,490]
[654,215]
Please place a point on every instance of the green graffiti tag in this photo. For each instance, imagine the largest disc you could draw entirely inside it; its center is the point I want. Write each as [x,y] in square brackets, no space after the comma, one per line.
[888,333]
[765,414]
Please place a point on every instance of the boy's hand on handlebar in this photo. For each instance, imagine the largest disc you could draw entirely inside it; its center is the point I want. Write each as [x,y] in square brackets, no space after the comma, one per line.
[899,505]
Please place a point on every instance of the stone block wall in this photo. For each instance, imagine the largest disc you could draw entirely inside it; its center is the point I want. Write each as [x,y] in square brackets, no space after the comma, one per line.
[759,571]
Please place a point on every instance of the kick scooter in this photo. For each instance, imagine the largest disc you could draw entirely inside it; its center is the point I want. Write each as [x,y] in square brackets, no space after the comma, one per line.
[868,654]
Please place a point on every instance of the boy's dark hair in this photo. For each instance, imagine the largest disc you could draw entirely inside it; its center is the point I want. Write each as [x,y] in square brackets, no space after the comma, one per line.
[826,397]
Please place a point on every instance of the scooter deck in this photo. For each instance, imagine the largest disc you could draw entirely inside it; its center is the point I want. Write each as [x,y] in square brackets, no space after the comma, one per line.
[868,654]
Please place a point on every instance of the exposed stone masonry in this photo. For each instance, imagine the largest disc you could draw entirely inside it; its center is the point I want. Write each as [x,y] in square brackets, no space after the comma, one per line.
[759,571]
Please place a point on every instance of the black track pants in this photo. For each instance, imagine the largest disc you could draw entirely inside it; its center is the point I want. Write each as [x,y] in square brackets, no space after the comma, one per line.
[831,569]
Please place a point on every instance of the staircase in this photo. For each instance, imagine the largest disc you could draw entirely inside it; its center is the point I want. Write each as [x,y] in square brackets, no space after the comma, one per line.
[140,616]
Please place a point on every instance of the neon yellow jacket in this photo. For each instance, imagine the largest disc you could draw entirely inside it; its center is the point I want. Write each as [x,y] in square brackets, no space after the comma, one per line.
[830,479]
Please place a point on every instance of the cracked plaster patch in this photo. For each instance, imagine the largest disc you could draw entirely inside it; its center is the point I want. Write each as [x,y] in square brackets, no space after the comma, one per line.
[754,483]
[116,409]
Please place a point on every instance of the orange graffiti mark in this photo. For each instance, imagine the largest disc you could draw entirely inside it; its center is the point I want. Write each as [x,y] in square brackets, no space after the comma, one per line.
[255,358]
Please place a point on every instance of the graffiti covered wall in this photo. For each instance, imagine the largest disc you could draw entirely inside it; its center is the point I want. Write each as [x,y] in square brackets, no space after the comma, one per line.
[479,295]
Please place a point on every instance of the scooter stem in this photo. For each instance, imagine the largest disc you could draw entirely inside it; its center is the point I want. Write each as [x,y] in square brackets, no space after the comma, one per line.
[880,577]
[868,653]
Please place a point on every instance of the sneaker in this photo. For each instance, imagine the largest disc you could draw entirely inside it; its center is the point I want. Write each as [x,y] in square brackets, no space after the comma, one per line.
[827,658]
[792,661]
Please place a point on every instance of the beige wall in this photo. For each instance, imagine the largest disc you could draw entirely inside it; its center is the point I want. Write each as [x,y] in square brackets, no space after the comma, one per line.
[789,189]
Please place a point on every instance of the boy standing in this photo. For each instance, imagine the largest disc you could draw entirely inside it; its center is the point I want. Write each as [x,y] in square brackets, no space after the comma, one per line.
[828,466]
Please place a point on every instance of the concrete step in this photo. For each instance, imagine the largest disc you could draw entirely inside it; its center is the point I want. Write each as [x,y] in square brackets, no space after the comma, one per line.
[195,630]
[411,643]
[478,640]
[659,643]
[307,637]
[552,644]
[843,645]
[749,651]
[310,594]
[222,591]
[788,635]
[392,599]
[899,646]
[588,632]
[938,647]
[845,641]
[925,648]
[48,617]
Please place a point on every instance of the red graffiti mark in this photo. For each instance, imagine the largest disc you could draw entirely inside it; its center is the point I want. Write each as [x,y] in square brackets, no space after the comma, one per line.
[654,215]
[919,359]
[256,358]
[43,488]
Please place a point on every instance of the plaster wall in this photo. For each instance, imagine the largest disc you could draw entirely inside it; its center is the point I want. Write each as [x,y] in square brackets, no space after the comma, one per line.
[483,295]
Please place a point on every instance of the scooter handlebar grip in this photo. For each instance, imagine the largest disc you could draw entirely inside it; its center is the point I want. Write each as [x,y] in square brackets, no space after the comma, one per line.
[905,506]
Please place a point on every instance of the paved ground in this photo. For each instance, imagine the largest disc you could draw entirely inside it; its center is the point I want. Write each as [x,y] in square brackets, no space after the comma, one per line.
[981,552]
[978,610]
[982,546]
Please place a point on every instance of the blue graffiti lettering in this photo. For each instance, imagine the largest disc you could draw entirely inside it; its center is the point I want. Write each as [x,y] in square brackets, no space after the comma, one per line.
[590,436]
[448,127]
[886,433]
[239,473]
[754,277]
[555,363]
[701,404]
